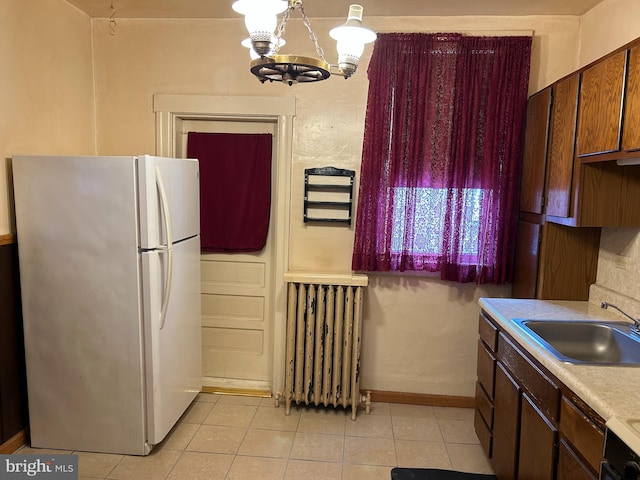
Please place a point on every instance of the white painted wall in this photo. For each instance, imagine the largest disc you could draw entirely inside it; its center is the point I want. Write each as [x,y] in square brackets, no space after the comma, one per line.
[419,333]
[46,86]
[607,26]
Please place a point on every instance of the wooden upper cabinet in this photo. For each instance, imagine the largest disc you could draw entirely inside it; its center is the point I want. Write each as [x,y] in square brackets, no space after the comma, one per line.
[535,152]
[525,275]
[560,165]
[600,108]
[592,121]
[568,262]
[631,122]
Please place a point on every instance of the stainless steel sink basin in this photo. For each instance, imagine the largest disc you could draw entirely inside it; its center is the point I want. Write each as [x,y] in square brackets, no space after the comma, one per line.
[587,342]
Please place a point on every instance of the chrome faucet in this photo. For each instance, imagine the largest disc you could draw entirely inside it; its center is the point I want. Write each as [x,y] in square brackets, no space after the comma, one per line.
[636,321]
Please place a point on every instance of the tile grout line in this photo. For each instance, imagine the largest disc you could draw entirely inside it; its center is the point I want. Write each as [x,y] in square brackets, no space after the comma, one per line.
[374,431]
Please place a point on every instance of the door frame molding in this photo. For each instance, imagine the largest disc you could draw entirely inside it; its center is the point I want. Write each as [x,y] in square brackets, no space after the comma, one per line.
[169,109]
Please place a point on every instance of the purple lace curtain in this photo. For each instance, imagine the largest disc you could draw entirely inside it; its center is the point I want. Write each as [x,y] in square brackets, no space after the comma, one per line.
[442,153]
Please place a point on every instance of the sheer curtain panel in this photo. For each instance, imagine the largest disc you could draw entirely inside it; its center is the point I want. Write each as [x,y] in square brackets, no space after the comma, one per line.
[442,155]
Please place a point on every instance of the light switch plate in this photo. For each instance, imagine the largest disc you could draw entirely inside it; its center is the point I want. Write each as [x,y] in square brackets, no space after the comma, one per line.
[622,262]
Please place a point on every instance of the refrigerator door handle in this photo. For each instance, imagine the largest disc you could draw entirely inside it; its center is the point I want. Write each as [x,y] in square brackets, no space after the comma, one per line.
[169,247]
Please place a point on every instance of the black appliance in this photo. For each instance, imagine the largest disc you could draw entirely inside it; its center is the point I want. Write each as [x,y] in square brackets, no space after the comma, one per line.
[621,462]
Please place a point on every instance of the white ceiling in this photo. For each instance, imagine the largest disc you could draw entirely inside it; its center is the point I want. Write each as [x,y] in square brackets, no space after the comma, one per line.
[333,8]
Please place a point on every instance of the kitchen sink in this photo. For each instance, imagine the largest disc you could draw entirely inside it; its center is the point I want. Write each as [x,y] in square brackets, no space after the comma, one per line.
[585,341]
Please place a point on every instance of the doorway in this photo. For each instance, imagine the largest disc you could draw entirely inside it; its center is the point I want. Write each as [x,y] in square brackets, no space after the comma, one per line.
[242,294]
[236,292]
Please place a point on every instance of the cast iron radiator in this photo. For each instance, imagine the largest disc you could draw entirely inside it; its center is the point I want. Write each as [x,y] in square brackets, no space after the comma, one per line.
[324,321]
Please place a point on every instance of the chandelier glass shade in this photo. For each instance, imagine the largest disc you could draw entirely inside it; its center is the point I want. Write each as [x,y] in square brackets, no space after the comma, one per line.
[266,39]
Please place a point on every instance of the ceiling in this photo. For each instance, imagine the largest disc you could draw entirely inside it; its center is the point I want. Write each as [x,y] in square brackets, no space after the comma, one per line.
[338,9]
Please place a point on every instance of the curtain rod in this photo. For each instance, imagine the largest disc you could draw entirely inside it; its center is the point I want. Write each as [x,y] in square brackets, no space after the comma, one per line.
[475,33]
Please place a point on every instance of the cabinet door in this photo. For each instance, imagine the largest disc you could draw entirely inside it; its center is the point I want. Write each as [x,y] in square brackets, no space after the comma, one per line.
[535,151]
[484,433]
[525,275]
[537,382]
[571,466]
[506,425]
[486,369]
[631,129]
[538,444]
[484,405]
[560,164]
[568,262]
[582,433]
[600,112]
[555,262]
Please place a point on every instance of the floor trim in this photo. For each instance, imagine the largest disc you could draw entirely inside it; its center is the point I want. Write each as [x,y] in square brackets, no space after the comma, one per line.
[14,443]
[7,239]
[237,391]
[422,399]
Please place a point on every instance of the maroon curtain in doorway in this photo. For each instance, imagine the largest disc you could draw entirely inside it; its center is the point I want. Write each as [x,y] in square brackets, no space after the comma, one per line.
[235,189]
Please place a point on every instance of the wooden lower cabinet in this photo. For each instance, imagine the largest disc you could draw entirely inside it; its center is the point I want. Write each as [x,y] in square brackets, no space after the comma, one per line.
[484,433]
[506,424]
[583,433]
[485,386]
[571,466]
[534,427]
[538,440]
[486,369]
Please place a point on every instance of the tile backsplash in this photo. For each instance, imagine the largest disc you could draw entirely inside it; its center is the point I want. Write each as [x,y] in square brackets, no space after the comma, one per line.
[618,279]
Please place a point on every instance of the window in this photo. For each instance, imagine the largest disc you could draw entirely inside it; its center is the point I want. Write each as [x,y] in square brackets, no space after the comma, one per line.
[441,161]
[429,215]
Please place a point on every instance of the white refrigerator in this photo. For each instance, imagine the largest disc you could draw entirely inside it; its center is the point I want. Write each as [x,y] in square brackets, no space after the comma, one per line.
[109,252]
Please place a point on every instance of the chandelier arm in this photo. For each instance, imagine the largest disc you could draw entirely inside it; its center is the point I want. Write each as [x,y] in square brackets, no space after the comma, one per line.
[312,35]
[281,29]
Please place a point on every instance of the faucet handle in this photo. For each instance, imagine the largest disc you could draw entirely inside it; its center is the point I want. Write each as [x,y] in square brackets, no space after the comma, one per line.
[636,321]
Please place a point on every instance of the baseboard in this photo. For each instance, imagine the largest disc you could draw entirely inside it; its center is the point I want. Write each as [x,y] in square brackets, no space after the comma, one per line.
[14,443]
[7,239]
[236,384]
[237,391]
[422,399]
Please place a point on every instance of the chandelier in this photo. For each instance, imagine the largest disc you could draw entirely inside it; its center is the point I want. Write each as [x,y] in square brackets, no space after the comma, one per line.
[266,37]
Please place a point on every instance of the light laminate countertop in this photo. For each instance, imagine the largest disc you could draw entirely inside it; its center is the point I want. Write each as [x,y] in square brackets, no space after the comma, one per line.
[612,391]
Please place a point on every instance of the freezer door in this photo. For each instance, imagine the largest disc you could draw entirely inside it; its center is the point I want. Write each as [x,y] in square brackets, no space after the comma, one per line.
[172,350]
[179,178]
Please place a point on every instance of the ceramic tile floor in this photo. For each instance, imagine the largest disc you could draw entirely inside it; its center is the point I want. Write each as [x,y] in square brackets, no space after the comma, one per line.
[224,437]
